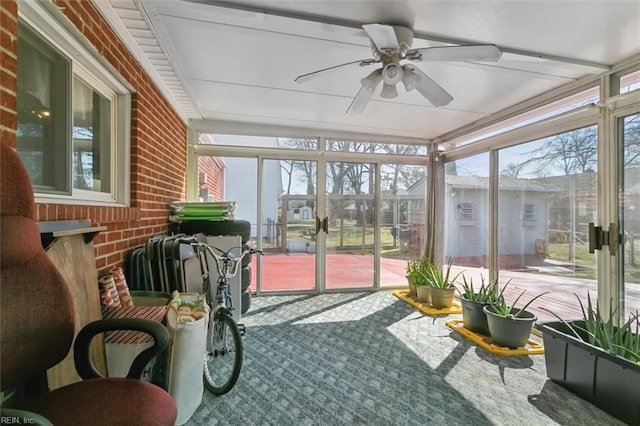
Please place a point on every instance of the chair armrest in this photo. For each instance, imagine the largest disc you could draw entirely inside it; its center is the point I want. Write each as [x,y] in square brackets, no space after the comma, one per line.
[82,355]
[21,417]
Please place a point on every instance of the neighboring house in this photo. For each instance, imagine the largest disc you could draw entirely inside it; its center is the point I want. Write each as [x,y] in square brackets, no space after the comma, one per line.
[572,207]
[241,183]
[523,216]
[300,212]
[410,216]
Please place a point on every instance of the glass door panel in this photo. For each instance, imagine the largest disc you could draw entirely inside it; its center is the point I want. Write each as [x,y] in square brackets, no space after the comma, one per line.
[629,128]
[547,196]
[402,220]
[466,216]
[288,225]
[350,213]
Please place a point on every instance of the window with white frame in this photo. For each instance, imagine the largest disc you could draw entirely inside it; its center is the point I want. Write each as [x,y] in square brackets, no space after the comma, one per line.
[529,213]
[466,211]
[73,116]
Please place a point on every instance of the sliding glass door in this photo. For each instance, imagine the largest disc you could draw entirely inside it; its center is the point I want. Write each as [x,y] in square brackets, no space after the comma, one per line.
[402,219]
[629,135]
[329,214]
[289,227]
[350,225]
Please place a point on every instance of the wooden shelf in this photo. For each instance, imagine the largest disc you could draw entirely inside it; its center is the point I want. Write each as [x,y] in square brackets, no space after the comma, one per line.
[50,231]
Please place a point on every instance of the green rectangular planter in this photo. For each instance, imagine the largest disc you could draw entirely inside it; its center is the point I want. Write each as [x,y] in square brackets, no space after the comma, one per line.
[608,381]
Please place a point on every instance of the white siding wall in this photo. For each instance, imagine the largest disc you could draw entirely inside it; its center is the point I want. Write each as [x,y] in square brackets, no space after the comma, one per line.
[515,236]
[241,182]
[467,237]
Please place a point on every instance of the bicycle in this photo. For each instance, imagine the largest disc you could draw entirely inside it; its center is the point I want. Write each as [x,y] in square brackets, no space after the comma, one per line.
[224,351]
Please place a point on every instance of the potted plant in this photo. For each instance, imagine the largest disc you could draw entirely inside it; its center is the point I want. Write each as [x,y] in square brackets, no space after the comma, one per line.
[417,272]
[473,302]
[442,288]
[510,326]
[412,276]
[597,359]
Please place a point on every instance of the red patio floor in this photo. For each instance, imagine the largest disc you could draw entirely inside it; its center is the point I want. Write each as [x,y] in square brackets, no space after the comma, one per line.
[290,272]
[296,272]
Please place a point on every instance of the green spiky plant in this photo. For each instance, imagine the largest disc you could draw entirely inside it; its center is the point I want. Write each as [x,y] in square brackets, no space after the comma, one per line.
[440,278]
[502,308]
[621,340]
[487,293]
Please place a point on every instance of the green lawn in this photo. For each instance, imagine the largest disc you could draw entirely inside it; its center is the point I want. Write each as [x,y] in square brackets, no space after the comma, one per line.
[585,262]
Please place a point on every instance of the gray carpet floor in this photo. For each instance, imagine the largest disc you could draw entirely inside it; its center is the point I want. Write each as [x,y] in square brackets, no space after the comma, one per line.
[371,359]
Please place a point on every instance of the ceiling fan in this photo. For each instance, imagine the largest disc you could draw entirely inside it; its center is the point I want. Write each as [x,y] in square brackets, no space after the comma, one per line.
[391,44]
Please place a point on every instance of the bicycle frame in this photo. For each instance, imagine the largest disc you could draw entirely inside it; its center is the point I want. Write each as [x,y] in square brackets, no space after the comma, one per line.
[224,335]
[227,266]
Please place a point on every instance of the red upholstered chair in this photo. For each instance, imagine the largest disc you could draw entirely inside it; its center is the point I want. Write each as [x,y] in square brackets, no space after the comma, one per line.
[37,328]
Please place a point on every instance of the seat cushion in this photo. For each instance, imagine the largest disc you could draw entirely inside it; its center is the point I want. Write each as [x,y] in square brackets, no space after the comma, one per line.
[108,402]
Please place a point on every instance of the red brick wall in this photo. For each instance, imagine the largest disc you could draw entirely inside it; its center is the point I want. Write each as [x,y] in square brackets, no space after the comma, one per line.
[214,168]
[158,139]
[8,68]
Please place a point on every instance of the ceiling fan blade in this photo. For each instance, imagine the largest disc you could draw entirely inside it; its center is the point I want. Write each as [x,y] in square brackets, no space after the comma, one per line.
[365,93]
[430,89]
[478,52]
[306,77]
[383,36]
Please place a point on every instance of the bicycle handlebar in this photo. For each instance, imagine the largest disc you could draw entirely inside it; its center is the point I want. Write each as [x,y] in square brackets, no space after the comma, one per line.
[227,256]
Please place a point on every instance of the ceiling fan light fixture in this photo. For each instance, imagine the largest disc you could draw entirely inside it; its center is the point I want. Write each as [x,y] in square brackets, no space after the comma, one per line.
[389,91]
[409,78]
[392,73]
[369,84]
[371,81]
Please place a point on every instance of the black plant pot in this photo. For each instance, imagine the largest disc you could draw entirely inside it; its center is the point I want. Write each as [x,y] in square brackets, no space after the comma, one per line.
[510,332]
[608,381]
[473,317]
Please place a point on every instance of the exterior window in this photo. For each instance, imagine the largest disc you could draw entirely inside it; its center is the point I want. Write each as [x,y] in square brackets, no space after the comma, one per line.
[630,82]
[42,134]
[91,139]
[73,116]
[466,211]
[529,213]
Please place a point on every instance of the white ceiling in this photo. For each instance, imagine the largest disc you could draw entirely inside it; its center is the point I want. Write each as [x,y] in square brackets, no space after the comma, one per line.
[237,61]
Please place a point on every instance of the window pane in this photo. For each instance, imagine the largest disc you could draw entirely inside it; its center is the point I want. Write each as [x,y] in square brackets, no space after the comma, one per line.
[630,212]
[91,139]
[546,199]
[402,220]
[561,106]
[258,141]
[43,110]
[630,82]
[466,212]
[374,147]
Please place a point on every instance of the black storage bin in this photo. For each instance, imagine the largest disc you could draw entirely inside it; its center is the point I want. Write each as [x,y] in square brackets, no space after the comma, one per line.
[606,380]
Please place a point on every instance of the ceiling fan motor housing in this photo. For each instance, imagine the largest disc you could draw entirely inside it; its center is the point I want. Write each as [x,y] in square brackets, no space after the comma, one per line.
[405,39]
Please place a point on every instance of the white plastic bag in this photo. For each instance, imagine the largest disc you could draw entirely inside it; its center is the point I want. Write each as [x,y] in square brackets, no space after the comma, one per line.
[187,318]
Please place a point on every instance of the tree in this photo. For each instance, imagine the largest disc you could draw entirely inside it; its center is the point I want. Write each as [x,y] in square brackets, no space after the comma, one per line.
[512,170]
[570,153]
[308,169]
[632,140]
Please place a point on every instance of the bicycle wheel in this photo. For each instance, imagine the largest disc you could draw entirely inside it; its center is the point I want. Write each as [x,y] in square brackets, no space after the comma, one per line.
[223,359]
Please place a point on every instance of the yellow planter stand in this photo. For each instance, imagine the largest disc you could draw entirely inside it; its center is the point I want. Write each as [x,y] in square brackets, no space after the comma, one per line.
[532,347]
[425,308]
